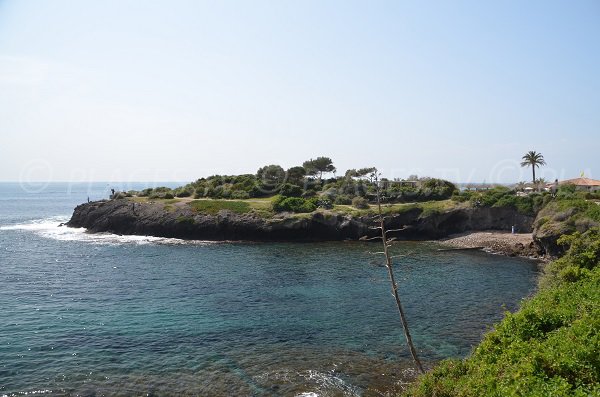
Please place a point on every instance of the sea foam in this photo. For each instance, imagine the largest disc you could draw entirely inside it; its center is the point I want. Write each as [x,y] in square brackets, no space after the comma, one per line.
[50,228]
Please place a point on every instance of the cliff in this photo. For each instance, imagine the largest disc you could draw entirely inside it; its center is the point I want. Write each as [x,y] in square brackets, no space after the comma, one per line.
[122,216]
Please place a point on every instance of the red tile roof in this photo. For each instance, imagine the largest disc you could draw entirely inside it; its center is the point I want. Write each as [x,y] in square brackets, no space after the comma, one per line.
[581,182]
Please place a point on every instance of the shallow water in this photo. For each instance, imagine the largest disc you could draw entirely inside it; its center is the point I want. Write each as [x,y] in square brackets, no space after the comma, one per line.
[87,314]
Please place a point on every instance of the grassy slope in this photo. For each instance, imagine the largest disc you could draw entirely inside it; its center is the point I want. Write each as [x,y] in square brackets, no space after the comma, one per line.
[262,206]
[550,347]
[568,215]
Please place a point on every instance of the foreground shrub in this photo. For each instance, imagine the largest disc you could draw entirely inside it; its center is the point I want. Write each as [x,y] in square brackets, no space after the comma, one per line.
[547,348]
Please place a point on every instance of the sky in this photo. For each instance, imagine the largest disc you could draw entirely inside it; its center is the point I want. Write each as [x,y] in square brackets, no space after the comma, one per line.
[121,90]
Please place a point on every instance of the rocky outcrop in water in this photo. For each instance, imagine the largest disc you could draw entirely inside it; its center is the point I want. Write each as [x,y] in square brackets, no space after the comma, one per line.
[156,219]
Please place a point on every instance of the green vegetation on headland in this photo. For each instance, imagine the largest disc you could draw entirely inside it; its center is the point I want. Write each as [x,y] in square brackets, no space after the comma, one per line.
[550,347]
[304,188]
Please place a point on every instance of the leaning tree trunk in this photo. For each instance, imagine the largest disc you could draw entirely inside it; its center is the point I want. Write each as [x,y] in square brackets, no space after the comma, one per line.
[388,265]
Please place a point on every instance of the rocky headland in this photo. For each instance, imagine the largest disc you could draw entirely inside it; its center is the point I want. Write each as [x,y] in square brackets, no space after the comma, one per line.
[180,220]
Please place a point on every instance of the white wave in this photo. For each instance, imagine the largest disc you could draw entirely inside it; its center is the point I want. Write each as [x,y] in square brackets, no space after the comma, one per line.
[26,393]
[323,383]
[50,228]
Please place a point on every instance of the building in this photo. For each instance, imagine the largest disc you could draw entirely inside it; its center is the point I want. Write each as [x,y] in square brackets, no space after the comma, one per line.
[587,184]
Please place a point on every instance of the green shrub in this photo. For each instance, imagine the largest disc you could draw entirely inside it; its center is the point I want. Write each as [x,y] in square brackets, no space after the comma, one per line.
[146,192]
[566,189]
[461,197]
[240,195]
[343,199]
[360,203]
[292,204]
[289,190]
[525,205]
[183,193]
[490,197]
[547,348]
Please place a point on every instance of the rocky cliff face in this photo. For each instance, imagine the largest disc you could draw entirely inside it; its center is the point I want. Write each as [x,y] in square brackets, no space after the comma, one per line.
[126,217]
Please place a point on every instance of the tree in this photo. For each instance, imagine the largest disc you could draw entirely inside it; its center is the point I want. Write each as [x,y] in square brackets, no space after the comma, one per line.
[369,172]
[318,166]
[351,173]
[270,175]
[388,264]
[295,175]
[533,159]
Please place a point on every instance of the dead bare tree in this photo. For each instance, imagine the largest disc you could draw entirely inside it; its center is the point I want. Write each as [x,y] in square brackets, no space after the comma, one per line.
[388,264]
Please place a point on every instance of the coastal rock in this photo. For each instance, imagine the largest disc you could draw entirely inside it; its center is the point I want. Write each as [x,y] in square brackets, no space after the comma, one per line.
[122,216]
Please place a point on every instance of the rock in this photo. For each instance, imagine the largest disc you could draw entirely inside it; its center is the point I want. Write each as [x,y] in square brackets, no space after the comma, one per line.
[148,218]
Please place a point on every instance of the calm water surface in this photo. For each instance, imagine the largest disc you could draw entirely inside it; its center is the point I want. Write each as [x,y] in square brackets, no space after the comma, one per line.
[89,314]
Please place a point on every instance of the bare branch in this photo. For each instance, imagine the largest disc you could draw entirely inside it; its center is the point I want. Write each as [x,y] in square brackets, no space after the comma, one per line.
[395,230]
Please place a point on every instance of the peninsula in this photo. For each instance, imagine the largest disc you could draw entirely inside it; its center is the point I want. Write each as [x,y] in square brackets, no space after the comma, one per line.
[300,204]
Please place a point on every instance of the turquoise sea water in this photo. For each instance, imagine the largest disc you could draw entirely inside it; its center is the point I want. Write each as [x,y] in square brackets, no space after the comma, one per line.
[89,314]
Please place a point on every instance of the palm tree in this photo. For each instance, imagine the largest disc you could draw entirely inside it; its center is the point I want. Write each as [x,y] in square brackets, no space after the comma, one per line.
[533,159]
[519,187]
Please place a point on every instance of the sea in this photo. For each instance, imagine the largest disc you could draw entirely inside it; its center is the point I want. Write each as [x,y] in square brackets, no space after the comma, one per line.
[107,315]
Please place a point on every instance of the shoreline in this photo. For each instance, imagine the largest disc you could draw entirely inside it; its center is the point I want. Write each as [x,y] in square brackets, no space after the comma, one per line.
[164,219]
[495,242]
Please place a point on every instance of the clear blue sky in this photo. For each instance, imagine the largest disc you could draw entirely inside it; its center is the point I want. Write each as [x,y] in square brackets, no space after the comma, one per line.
[176,90]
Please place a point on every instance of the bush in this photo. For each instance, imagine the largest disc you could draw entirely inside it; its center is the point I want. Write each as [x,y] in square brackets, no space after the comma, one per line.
[183,193]
[547,348]
[322,202]
[461,197]
[309,193]
[168,196]
[289,190]
[343,199]
[360,203]
[146,192]
[525,205]
[293,204]
[240,195]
